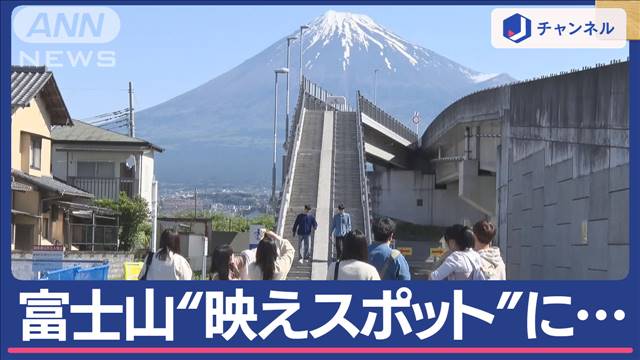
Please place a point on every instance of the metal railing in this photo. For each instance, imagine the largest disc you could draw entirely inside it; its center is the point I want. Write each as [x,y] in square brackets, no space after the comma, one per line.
[105,188]
[364,182]
[292,152]
[321,94]
[374,112]
[105,239]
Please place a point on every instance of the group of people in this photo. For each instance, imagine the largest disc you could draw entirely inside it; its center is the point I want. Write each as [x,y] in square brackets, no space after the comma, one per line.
[470,255]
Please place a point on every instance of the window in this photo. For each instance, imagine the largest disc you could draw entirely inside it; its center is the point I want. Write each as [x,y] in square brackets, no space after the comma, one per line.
[419,202]
[36,152]
[95,169]
[126,172]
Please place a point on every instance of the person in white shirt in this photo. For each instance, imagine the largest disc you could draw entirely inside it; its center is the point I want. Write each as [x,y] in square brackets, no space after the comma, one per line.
[463,263]
[167,263]
[226,265]
[353,264]
[274,257]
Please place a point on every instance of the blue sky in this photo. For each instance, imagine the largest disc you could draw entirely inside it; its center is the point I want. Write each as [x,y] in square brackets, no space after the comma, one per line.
[166,51]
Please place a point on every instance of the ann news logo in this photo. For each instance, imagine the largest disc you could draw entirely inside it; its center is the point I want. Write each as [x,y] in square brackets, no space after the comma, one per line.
[516,28]
[66,35]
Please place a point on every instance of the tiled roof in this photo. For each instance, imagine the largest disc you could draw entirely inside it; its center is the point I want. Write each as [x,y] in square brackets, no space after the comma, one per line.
[29,81]
[84,132]
[51,184]
[18,186]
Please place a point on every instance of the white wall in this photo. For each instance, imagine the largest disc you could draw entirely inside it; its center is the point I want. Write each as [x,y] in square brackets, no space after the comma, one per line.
[395,194]
[146,175]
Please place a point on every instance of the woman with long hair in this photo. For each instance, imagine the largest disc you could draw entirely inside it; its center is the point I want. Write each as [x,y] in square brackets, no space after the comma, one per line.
[353,263]
[274,257]
[167,263]
[463,263]
[225,265]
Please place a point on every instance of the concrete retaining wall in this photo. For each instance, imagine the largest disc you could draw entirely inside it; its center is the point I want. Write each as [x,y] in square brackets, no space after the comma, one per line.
[396,193]
[562,170]
[564,177]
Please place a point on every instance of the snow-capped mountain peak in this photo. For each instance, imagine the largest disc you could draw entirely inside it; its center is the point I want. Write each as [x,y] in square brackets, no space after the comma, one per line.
[357,40]
[355,30]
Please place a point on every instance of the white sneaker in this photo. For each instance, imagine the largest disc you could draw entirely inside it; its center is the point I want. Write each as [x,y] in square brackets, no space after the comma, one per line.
[301,261]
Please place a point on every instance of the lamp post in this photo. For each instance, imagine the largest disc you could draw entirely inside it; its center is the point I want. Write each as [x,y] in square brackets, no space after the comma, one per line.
[275,133]
[286,127]
[302,29]
[375,86]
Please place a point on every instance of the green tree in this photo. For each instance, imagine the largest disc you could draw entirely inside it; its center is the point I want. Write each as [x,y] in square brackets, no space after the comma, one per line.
[223,222]
[135,229]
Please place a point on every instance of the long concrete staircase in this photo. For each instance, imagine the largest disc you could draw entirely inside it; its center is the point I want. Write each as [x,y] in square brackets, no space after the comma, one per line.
[305,183]
[324,167]
[346,169]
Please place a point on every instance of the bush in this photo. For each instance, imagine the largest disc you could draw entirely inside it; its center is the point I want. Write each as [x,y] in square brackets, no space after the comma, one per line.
[135,229]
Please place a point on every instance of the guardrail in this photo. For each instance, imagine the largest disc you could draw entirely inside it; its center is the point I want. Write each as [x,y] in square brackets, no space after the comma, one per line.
[292,152]
[373,111]
[321,94]
[364,182]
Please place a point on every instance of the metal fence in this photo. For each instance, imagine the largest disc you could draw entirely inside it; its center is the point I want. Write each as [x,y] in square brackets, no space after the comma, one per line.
[371,110]
[105,188]
[87,237]
[364,182]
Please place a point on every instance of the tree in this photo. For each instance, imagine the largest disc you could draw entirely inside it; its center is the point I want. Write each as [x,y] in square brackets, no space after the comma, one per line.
[135,229]
[223,222]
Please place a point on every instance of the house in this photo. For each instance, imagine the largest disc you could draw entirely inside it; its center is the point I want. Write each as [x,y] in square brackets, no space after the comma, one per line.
[103,162]
[44,210]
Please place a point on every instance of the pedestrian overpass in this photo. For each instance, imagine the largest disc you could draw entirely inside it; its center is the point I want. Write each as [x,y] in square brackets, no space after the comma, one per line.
[325,166]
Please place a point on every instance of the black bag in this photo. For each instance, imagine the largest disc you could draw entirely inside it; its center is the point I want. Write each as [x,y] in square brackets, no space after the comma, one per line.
[147,264]
[335,272]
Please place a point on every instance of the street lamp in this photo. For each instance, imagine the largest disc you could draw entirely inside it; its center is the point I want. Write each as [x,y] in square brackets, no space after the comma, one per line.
[275,133]
[375,85]
[302,28]
[286,128]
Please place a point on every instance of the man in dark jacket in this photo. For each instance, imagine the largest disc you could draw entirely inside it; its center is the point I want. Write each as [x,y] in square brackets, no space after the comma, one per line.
[303,227]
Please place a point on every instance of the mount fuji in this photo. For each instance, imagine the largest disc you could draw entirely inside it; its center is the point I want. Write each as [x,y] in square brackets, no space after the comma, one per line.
[221,131]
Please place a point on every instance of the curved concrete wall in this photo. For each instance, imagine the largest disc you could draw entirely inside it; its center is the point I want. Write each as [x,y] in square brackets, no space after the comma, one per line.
[562,173]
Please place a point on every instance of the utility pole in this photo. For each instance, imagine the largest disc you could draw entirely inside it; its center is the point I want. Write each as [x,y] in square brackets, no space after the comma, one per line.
[154,213]
[286,128]
[195,202]
[132,122]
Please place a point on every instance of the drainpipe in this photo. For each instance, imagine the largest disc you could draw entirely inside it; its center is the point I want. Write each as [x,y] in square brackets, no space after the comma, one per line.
[467,140]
